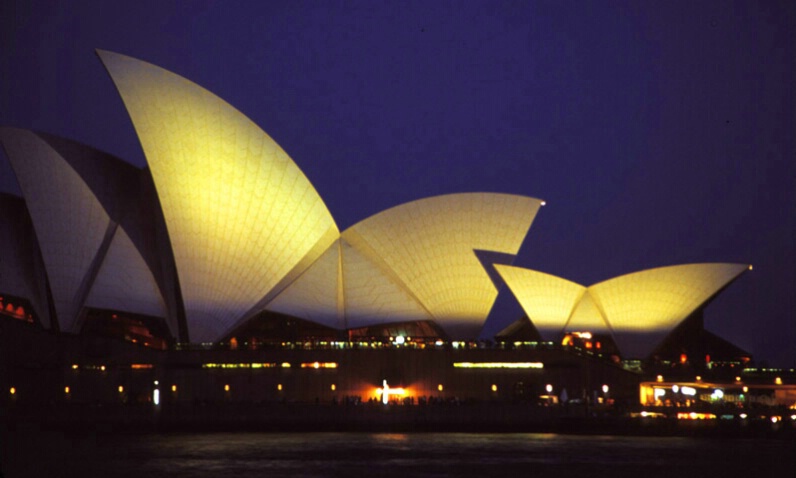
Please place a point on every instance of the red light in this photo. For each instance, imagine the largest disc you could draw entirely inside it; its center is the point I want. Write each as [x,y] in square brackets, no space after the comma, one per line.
[683,358]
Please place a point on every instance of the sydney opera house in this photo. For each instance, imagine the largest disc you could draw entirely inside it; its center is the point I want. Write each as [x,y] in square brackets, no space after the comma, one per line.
[218,273]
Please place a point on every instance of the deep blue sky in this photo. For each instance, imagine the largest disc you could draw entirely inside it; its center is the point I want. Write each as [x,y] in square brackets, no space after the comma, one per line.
[658,132]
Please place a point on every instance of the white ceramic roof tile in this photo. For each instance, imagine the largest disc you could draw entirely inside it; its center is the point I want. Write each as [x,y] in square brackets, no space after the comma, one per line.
[428,246]
[69,221]
[548,300]
[239,212]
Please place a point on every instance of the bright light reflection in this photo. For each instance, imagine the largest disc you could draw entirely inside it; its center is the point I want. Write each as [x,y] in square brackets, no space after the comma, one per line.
[156,397]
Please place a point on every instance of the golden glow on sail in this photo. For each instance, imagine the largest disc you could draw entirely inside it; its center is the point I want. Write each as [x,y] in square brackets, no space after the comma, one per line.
[239,212]
[427,246]
[547,299]
[659,299]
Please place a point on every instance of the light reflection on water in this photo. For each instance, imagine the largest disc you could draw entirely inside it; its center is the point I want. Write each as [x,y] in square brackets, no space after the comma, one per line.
[405,455]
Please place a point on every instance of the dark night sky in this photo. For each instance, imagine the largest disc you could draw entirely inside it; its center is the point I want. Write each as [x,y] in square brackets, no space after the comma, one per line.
[659,133]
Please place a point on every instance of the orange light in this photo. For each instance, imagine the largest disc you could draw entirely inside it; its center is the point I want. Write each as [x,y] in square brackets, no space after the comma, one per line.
[588,345]
[660,378]
[141,366]
[778,381]
[683,358]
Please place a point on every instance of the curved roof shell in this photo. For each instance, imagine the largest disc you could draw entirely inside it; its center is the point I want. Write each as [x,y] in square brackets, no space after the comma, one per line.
[243,220]
[82,204]
[414,262]
[639,309]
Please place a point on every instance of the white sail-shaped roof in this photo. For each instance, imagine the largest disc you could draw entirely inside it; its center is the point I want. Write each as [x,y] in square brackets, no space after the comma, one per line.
[638,309]
[77,201]
[317,294]
[240,214]
[655,301]
[69,220]
[427,247]
[124,282]
[547,299]
[587,317]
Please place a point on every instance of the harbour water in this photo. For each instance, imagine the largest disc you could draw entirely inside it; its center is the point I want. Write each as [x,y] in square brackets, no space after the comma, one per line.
[31,452]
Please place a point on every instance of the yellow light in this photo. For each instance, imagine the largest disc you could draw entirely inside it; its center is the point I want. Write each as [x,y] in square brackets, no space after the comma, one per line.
[226,388]
[439,387]
[285,364]
[121,389]
[12,391]
[745,389]
[173,388]
[102,367]
[660,378]
[334,387]
[74,366]
[498,365]
[778,381]
[750,267]
[698,378]
[494,387]
[66,390]
[279,387]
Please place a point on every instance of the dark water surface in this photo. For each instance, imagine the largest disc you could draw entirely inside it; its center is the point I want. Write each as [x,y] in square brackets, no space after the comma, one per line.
[35,453]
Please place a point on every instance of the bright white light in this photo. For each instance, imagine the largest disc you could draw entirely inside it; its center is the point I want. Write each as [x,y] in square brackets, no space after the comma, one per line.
[688,391]
[385,395]
[400,340]
[549,388]
[156,397]
[717,394]
[658,393]
[743,416]
[605,388]
[675,388]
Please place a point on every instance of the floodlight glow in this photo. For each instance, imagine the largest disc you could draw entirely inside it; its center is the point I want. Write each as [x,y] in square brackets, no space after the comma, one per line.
[658,393]
[675,388]
[156,397]
[690,391]
[399,340]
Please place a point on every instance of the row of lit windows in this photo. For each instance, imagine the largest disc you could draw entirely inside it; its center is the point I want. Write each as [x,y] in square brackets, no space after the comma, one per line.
[698,378]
